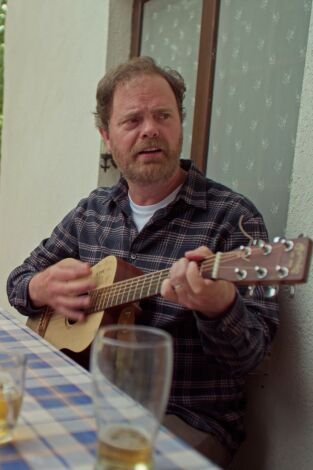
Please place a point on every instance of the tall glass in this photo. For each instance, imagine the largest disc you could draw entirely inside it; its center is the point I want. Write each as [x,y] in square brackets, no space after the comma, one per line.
[131,369]
[12,378]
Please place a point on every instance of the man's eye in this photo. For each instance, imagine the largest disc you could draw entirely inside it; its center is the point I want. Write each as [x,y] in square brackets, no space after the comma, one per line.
[131,122]
[163,116]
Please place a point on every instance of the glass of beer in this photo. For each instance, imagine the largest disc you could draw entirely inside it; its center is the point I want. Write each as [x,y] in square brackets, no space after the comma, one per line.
[131,369]
[12,379]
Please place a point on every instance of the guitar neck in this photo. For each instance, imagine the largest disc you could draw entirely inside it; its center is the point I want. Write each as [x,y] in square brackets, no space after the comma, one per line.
[148,285]
[283,262]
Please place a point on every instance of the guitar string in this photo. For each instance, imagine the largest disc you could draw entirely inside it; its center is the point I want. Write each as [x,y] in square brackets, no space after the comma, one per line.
[113,294]
[151,282]
[141,286]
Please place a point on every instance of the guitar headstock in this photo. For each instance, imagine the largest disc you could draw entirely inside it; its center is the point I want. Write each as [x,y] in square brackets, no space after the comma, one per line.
[282,262]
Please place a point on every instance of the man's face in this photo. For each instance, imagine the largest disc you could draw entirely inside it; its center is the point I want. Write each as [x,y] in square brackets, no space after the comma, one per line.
[145,131]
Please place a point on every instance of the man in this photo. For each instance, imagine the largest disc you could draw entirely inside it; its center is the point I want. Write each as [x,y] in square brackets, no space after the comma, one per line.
[163,214]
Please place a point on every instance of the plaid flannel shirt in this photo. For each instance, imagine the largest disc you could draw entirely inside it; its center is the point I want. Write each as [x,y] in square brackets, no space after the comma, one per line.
[212,357]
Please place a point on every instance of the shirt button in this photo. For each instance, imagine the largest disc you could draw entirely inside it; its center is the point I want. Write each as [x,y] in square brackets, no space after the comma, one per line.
[133,256]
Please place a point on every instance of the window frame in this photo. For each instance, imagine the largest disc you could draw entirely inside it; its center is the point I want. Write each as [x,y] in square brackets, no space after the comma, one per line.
[205,73]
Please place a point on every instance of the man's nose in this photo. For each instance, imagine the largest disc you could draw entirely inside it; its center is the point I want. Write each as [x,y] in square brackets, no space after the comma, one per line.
[150,128]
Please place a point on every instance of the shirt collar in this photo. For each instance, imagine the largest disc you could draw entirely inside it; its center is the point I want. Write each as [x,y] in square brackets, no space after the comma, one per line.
[193,190]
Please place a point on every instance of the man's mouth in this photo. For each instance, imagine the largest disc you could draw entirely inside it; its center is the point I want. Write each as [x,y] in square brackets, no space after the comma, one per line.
[150,151]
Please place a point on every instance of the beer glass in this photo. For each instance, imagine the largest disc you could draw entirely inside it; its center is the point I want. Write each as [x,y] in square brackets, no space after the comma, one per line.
[131,369]
[12,378]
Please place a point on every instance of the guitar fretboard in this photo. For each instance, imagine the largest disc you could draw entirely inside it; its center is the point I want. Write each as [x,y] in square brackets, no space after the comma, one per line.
[127,291]
[144,286]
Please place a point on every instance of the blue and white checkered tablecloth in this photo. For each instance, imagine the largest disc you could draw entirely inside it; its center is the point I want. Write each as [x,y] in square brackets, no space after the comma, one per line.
[56,428]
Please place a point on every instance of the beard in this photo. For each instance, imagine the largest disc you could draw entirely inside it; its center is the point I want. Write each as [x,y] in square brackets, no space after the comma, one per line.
[152,169]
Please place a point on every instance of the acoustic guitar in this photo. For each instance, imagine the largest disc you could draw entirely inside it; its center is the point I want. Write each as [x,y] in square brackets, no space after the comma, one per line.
[120,285]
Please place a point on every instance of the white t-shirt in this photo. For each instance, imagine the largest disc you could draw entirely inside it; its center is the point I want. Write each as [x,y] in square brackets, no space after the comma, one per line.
[141,214]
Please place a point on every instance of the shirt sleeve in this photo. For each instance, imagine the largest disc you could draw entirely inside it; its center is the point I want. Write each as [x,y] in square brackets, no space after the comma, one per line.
[242,337]
[61,244]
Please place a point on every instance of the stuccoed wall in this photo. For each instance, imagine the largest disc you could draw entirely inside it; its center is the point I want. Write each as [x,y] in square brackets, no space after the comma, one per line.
[290,403]
[280,419]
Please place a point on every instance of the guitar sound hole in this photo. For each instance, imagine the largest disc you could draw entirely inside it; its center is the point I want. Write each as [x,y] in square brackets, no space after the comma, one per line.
[70,322]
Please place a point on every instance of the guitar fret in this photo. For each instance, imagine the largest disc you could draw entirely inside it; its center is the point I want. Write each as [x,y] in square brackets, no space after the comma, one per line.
[132,293]
[120,295]
[114,298]
[94,301]
[126,293]
[142,288]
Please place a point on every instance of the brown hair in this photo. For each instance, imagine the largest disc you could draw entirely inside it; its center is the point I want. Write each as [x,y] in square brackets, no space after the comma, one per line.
[124,73]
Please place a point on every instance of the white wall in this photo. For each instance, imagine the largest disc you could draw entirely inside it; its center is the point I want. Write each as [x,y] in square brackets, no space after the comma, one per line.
[55,55]
[56,52]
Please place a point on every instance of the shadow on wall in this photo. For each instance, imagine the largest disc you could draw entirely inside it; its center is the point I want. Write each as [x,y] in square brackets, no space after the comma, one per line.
[108,171]
[272,410]
[251,455]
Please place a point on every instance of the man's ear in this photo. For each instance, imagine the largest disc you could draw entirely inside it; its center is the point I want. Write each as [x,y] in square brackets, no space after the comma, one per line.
[105,136]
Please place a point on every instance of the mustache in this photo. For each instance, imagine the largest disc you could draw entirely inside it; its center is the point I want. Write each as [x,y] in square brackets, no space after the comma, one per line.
[148,144]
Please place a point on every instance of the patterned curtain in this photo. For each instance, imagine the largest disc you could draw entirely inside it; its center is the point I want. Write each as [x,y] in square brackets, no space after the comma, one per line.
[170,34]
[257,91]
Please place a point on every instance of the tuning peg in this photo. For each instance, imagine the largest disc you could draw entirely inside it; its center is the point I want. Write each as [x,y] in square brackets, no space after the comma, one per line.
[261,272]
[258,243]
[270,291]
[287,243]
[282,271]
[250,291]
[246,250]
[291,291]
[266,247]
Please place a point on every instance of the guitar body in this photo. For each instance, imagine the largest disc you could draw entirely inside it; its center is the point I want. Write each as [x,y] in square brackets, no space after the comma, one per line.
[75,338]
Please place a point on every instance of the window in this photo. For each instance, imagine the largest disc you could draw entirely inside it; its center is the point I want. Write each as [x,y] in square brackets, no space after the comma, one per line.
[247,60]
[182,34]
